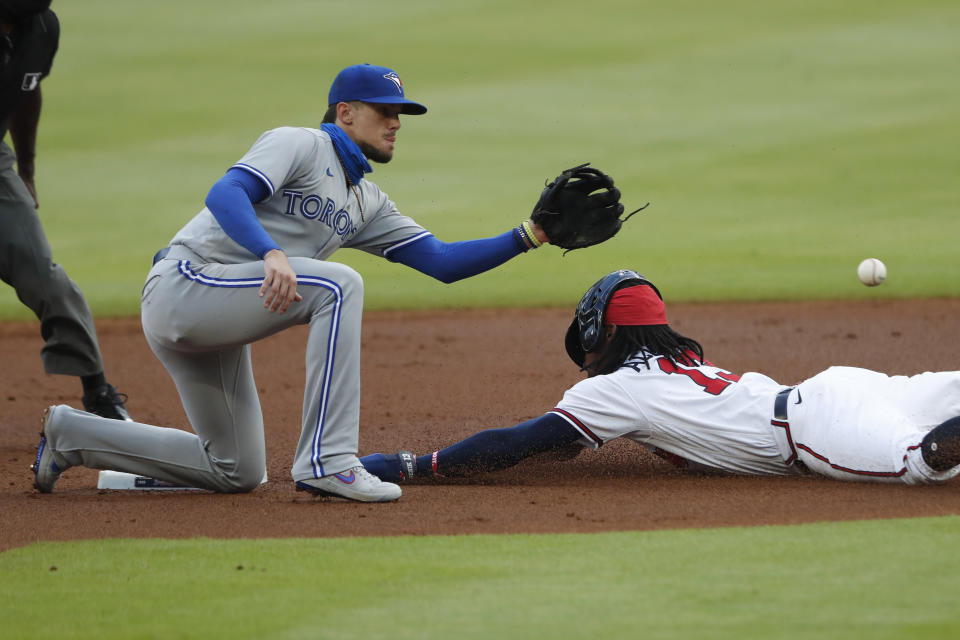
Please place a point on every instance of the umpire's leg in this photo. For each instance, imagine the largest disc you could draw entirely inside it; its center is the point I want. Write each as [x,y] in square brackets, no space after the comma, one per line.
[26,264]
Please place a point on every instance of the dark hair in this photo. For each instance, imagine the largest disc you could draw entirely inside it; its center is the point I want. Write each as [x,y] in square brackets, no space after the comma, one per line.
[331,115]
[646,341]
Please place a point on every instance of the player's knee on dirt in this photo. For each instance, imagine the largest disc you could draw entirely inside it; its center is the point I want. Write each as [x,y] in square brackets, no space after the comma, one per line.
[941,447]
[243,477]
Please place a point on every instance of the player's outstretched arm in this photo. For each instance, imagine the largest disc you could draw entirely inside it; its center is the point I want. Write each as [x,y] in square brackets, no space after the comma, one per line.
[452,261]
[489,450]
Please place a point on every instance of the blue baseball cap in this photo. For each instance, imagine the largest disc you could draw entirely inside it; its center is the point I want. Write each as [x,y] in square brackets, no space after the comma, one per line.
[370,83]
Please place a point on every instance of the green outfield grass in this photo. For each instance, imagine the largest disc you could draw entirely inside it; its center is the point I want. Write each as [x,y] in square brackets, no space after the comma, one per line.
[877,579]
[779,143]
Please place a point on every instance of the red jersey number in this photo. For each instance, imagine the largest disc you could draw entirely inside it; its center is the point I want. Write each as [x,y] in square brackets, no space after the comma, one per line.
[713,386]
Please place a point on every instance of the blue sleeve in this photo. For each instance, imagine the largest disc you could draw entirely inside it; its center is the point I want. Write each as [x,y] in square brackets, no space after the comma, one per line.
[452,261]
[489,450]
[230,200]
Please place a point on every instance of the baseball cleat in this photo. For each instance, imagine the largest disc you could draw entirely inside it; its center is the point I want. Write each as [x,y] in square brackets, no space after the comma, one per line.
[46,471]
[353,484]
[107,403]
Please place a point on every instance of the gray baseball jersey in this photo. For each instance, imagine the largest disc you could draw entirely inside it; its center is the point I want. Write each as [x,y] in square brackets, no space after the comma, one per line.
[310,211]
[201,310]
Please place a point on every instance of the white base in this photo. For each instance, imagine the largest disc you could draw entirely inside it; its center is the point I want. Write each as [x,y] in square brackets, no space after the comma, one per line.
[119,481]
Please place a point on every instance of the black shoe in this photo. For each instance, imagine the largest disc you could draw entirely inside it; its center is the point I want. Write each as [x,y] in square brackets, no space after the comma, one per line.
[941,446]
[107,403]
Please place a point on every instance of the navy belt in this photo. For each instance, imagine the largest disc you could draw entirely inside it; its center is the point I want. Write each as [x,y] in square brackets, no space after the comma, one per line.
[780,420]
[780,404]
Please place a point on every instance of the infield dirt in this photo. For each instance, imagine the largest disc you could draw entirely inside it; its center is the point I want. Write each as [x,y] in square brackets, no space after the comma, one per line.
[430,378]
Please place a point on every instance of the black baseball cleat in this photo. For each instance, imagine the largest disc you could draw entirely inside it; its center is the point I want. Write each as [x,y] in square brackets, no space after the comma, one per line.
[107,403]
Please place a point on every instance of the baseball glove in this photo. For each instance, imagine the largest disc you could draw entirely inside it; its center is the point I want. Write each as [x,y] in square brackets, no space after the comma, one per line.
[580,208]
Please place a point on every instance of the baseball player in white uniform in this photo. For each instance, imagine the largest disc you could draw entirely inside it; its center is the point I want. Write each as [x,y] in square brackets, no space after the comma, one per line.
[652,385]
[252,263]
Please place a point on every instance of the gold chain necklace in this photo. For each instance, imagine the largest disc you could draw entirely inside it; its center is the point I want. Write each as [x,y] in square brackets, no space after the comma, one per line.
[353,187]
[356,192]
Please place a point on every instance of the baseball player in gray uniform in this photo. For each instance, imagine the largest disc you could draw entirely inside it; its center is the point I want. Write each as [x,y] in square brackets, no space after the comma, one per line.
[252,263]
[649,384]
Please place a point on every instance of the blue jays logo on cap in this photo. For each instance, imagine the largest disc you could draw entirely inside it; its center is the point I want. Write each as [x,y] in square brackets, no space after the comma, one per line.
[392,76]
[370,83]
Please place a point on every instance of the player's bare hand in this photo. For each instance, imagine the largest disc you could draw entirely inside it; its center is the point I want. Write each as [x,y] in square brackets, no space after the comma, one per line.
[279,282]
[539,233]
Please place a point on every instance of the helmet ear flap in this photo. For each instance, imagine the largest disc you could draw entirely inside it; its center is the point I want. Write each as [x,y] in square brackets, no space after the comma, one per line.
[572,343]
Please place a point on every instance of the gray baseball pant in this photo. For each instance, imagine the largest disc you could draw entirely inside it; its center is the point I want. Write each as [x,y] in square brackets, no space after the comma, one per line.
[199,320]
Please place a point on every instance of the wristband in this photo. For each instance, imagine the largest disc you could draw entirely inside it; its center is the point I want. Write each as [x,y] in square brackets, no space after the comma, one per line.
[523,238]
[528,229]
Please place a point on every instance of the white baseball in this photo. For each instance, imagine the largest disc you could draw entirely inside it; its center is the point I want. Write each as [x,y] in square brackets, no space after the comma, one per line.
[872,272]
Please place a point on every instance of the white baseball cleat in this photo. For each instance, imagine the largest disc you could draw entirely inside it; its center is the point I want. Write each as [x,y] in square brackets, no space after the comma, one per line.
[355,483]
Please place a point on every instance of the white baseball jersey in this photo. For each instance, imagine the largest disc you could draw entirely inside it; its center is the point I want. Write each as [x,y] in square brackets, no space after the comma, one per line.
[846,423]
[704,414]
[310,211]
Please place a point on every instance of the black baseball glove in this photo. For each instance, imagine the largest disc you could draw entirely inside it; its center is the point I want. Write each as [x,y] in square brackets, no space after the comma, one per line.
[580,208]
